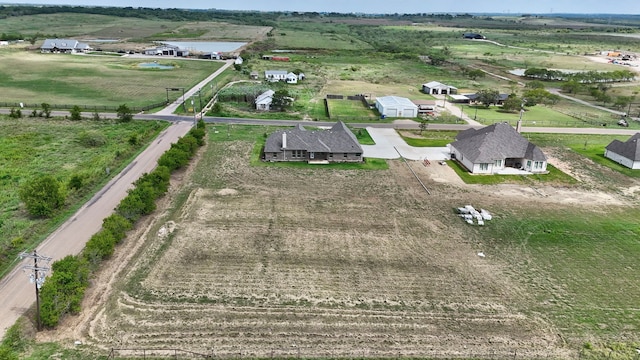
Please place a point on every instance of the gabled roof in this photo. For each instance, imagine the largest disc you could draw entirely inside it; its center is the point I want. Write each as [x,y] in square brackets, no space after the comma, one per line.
[338,139]
[265,97]
[495,142]
[275,72]
[395,101]
[630,149]
[435,84]
[63,44]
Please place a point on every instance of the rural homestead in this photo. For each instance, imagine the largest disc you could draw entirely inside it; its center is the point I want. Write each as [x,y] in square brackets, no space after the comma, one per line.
[337,144]
[497,149]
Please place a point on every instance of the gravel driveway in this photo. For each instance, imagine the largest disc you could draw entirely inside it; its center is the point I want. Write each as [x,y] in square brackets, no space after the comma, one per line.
[387,139]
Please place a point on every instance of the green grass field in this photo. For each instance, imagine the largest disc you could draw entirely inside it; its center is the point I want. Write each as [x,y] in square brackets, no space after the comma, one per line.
[93,80]
[580,267]
[350,109]
[30,147]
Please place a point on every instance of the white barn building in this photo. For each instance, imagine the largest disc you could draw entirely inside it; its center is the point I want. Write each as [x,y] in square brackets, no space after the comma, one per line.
[395,106]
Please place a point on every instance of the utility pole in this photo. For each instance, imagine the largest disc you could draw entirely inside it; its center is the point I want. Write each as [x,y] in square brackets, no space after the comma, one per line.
[195,121]
[36,276]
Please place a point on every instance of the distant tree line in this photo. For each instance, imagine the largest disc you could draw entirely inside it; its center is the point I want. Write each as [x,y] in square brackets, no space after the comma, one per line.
[585,77]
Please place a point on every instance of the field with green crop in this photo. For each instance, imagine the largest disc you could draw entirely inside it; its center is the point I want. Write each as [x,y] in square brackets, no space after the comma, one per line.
[93,80]
[91,151]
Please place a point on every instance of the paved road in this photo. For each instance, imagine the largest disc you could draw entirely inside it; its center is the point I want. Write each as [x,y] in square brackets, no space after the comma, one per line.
[16,293]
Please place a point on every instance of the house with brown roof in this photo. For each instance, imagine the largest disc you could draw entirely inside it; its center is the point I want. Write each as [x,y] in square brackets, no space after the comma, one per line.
[337,144]
[625,153]
[496,148]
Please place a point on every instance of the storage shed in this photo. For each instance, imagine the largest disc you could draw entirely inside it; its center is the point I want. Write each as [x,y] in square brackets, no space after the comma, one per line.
[395,106]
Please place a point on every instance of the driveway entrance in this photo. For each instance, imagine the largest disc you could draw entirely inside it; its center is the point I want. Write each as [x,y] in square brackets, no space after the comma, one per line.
[387,139]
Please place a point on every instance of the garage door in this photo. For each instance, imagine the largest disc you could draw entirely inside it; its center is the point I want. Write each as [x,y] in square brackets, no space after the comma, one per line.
[392,112]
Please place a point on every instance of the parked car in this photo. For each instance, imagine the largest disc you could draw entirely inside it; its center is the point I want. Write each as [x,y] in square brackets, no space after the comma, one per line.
[623,122]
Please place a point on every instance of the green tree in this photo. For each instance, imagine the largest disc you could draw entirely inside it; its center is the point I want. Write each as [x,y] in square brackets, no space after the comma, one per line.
[571,87]
[124,114]
[282,100]
[423,125]
[512,104]
[42,195]
[535,84]
[437,57]
[475,74]
[487,97]
[46,110]
[75,113]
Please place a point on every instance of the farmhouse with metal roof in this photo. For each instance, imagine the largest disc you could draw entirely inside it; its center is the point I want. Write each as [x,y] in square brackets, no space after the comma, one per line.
[497,149]
[337,144]
[625,153]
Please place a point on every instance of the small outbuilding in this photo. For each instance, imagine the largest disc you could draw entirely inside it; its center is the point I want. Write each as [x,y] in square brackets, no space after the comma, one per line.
[264,100]
[437,88]
[473,36]
[625,153]
[396,106]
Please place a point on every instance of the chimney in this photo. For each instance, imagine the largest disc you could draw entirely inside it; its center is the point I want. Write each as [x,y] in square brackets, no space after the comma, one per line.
[284,140]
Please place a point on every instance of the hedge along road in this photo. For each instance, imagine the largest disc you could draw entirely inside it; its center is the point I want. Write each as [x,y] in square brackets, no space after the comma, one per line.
[16,293]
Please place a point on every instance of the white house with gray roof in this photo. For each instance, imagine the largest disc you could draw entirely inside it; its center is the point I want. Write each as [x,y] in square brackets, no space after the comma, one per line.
[492,149]
[337,144]
[275,75]
[625,153]
[64,46]
[264,100]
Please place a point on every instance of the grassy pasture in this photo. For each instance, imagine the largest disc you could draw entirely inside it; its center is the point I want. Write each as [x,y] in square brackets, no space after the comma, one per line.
[93,80]
[33,146]
[350,109]
[582,265]
[90,26]
[295,39]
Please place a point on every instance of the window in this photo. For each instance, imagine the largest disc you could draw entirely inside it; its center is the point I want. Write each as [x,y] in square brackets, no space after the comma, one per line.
[528,164]
[538,165]
[358,154]
[346,155]
[297,154]
[499,163]
[484,167]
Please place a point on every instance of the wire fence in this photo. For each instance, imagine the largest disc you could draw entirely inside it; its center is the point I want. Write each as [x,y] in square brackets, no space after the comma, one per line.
[92,108]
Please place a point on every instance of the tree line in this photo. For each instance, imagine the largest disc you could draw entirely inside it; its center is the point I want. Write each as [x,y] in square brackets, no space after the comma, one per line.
[63,291]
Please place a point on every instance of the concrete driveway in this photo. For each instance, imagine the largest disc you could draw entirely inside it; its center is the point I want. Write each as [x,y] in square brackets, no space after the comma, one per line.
[388,140]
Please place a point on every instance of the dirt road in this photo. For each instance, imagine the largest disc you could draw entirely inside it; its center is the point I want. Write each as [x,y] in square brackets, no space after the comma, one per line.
[16,293]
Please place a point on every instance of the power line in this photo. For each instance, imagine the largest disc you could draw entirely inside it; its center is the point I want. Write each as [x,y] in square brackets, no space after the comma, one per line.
[37,274]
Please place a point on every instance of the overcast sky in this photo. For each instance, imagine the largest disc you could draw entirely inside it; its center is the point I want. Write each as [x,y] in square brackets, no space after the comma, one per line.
[377,6]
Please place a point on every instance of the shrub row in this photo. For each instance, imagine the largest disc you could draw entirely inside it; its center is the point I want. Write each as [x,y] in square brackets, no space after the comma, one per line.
[62,293]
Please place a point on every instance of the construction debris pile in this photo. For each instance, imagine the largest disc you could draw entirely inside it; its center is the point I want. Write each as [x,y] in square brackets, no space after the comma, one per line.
[473,216]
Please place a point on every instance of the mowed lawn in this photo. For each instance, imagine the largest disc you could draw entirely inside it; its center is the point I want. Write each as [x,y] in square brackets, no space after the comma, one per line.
[35,78]
[339,109]
[31,147]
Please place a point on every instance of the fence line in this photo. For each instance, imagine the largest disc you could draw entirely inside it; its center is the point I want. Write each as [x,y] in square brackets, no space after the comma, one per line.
[82,107]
